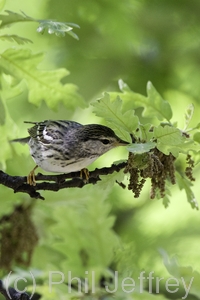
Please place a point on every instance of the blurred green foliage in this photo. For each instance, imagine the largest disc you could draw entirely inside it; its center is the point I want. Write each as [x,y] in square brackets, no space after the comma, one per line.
[102,228]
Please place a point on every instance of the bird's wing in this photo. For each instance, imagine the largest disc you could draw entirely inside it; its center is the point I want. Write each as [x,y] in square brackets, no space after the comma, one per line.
[51,131]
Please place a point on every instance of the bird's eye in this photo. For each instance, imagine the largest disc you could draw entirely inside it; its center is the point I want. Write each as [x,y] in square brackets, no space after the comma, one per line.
[105,141]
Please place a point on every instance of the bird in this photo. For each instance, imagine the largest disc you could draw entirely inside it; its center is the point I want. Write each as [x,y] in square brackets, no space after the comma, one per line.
[63,146]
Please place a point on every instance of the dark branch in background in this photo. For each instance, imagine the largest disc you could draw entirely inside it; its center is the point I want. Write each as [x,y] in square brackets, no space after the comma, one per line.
[12,294]
[18,183]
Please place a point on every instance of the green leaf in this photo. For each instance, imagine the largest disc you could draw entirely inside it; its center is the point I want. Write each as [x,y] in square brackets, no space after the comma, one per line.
[108,181]
[157,105]
[154,105]
[15,38]
[167,137]
[7,127]
[188,115]
[198,126]
[141,148]
[12,17]
[171,264]
[185,184]
[145,132]
[170,139]
[85,236]
[123,86]
[42,85]
[2,112]
[186,275]
[166,201]
[140,161]
[188,146]
[196,137]
[2,3]
[123,124]
[59,28]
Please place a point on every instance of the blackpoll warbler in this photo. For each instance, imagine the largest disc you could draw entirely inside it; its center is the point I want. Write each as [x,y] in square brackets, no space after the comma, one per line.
[67,146]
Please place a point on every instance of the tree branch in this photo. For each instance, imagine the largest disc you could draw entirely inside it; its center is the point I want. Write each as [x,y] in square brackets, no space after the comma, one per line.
[11,294]
[19,184]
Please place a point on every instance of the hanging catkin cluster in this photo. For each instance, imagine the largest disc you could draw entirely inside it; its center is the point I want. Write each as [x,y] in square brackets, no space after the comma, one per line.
[18,237]
[158,167]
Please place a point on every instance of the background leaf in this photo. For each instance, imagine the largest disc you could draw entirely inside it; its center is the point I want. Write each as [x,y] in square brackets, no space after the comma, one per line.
[196,137]
[43,85]
[184,184]
[157,104]
[59,28]
[190,276]
[154,105]
[13,17]
[96,232]
[2,3]
[8,126]
[12,37]
[188,115]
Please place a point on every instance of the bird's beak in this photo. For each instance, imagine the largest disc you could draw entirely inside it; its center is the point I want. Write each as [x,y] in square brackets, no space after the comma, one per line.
[122,143]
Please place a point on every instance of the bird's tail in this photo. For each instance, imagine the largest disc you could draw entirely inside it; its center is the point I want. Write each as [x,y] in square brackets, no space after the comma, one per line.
[22,140]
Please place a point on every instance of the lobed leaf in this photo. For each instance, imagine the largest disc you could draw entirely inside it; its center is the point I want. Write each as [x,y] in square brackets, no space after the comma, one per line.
[170,263]
[59,28]
[157,105]
[168,135]
[123,86]
[145,132]
[42,85]
[111,111]
[13,17]
[168,138]
[108,181]
[185,184]
[182,273]
[154,105]
[188,115]
[166,201]
[92,231]
[15,38]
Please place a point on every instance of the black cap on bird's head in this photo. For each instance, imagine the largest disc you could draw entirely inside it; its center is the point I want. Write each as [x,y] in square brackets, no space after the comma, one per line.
[103,133]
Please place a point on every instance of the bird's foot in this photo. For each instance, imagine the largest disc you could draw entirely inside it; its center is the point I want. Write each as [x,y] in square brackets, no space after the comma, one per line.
[85,175]
[31,177]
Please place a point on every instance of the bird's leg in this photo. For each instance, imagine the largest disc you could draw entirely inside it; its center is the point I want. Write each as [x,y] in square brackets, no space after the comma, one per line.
[31,177]
[85,175]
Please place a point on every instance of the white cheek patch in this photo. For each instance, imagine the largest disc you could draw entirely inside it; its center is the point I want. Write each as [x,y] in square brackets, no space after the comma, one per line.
[46,136]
